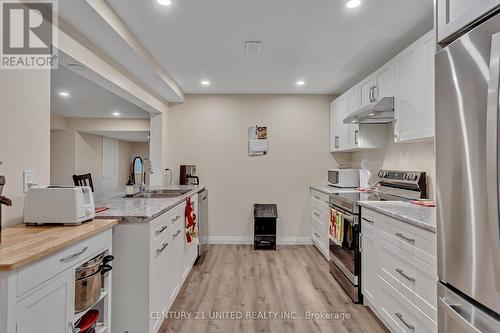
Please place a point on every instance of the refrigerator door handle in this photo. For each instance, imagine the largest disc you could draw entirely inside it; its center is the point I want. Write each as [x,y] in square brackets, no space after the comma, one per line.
[492,183]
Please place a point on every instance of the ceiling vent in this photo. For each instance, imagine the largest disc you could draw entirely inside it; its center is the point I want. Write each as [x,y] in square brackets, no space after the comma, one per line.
[253,48]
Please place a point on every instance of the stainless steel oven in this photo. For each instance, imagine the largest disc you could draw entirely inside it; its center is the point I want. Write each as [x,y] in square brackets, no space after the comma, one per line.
[345,257]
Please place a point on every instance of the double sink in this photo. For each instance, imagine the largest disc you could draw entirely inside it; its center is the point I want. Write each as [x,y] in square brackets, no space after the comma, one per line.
[158,194]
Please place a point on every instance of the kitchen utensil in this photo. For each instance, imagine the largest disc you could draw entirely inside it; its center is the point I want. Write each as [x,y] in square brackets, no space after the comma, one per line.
[87,291]
[88,321]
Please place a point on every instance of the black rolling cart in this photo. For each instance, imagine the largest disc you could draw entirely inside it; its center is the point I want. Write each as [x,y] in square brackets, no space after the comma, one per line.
[265,219]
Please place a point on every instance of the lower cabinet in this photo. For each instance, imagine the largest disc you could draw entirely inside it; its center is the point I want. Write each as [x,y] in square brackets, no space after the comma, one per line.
[50,309]
[397,284]
[40,297]
[152,262]
[369,264]
[320,221]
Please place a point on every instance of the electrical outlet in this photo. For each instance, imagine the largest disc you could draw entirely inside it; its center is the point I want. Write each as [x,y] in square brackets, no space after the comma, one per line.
[28,179]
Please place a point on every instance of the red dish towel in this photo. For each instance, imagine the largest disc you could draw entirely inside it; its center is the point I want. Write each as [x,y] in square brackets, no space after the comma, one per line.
[191,225]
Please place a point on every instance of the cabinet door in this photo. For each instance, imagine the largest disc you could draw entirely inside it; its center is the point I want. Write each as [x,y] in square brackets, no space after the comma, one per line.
[407,112]
[365,91]
[333,126]
[428,84]
[158,271]
[175,262]
[384,81]
[353,95]
[455,15]
[50,309]
[190,250]
[369,267]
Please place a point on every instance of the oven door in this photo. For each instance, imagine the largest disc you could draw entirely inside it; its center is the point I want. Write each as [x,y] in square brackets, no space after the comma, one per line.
[345,254]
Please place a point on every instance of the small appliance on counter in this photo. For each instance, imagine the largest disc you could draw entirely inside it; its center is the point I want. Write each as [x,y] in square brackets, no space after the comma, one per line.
[3,201]
[188,175]
[348,178]
[59,205]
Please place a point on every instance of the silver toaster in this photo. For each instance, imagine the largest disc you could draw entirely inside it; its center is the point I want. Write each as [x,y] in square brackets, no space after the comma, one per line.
[61,205]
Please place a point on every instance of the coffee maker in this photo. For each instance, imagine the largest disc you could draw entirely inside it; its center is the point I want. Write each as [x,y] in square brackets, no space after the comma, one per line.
[188,176]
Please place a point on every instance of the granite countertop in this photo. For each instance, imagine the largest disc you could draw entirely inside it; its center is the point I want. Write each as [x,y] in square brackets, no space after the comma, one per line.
[139,210]
[327,189]
[419,216]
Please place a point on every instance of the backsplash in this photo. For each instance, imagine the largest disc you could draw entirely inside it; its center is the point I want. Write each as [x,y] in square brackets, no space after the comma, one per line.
[419,156]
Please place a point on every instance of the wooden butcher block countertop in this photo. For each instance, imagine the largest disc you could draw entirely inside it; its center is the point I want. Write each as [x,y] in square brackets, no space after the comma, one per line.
[22,244]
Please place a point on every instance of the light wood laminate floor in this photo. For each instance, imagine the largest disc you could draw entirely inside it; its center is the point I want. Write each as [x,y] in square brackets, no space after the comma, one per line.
[235,280]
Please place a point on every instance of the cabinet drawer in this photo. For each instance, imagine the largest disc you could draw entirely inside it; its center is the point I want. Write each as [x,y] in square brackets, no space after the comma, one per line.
[409,275]
[401,314]
[320,196]
[416,241]
[33,275]
[369,221]
[161,225]
[320,236]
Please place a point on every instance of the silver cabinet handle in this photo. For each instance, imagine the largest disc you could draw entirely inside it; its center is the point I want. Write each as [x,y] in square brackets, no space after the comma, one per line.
[369,221]
[74,255]
[158,232]
[356,133]
[360,241]
[317,235]
[163,247]
[400,317]
[175,219]
[316,214]
[176,234]
[371,94]
[316,197]
[409,278]
[400,235]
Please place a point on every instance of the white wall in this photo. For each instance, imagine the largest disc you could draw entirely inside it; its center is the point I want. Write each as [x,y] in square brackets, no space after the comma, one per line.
[211,132]
[419,156]
[24,133]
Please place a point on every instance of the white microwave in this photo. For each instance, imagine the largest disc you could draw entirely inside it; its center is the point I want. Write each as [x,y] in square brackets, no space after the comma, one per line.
[343,178]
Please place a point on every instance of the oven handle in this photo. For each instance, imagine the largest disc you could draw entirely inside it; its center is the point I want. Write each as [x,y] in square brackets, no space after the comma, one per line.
[351,218]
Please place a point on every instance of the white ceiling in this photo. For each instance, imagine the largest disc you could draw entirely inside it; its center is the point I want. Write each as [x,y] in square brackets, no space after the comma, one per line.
[87,99]
[319,41]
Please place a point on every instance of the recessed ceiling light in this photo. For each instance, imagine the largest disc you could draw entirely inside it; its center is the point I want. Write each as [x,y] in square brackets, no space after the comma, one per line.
[353,3]
[164,2]
[116,114]
[205,82]
[64,93]
[300,83]
[353,121]
[371,114]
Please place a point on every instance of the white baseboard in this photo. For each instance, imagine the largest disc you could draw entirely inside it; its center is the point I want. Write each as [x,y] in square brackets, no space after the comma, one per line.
[249,240]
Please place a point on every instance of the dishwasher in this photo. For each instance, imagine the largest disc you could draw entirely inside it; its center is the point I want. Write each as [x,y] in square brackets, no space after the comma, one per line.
[202,221]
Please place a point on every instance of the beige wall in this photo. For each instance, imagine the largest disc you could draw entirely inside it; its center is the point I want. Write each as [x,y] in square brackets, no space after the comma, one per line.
[211,132]
[73,152]
[24,134]
[400,156]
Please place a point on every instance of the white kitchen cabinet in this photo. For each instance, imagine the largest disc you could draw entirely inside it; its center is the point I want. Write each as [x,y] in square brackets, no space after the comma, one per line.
[383,81]
[456,15]
[398,272]
[369,265]
[339,132]
[50,309]
[366,91]
[152,256]
[48,304]
[414,97]
[320,222]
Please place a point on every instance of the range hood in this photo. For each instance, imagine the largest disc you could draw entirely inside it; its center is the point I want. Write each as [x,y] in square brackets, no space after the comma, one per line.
[379,112]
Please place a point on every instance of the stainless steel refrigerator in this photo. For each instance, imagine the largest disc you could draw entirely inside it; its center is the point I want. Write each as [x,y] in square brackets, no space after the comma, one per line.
[467,166]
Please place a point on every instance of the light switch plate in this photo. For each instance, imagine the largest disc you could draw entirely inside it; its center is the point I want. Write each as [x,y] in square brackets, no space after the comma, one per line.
[28,178]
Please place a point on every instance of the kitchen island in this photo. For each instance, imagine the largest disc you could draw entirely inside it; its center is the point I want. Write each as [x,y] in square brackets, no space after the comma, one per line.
[153,256]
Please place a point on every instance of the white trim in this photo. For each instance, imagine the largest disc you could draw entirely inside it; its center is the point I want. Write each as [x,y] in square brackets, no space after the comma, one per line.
[249,240]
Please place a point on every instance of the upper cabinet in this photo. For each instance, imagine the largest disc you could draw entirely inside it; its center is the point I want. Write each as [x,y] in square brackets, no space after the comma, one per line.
[414,91]
[454,16]
[409,78]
